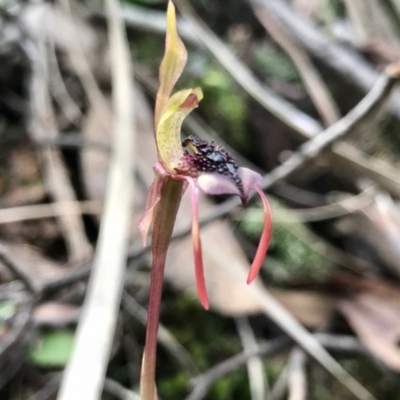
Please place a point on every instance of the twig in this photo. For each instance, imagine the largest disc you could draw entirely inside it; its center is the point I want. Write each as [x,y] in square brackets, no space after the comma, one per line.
[266,350]
[110,386]
[116,389]
[58,88]
[74,140]
[339,343]
[85,372]
[297,380]
[280,386]
[348,205]
[55,175]
[17,271]
[80,274]
[341,59]
[10,346]
[83,69]
[258,382]
[319,92]
[25,213]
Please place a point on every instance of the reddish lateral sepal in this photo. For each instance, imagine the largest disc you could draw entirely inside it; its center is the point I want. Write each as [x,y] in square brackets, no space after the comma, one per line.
[264,240]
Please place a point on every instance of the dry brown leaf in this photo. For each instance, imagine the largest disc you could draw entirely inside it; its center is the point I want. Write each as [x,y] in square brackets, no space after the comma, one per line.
[55,314]
[378,224]
[314,310]
[373,312]
[225,267]
[37,267]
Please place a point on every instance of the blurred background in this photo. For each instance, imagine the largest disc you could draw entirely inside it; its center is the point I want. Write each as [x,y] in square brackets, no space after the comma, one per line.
[274,73]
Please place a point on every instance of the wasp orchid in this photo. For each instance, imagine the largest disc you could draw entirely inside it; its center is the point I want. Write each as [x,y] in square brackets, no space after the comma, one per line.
[193,164]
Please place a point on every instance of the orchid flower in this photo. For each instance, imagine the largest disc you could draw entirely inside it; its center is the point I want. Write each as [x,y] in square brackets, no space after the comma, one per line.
[193,163]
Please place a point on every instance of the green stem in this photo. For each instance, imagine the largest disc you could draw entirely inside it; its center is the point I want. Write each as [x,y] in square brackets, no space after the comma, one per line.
[164,221]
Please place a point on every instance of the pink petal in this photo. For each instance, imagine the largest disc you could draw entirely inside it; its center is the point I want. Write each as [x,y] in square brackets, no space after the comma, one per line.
[198,257]
[250,179]
[265,238]
[214,183]
[153,197]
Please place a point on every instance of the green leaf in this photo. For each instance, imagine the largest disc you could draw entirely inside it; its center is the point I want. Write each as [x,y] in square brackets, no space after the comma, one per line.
[53,350]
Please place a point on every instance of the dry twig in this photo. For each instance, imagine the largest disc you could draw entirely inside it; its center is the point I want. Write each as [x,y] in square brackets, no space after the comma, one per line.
[17,271]
[85,373]
[55,174]
[341,59]
[37,211]
[258,382]
[317,89]
[204,381]
[297,380]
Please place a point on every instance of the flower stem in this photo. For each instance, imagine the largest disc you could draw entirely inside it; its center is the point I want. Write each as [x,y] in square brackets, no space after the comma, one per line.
[164,220]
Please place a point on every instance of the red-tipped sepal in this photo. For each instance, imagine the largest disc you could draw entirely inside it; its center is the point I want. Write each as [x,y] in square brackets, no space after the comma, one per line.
[265,238]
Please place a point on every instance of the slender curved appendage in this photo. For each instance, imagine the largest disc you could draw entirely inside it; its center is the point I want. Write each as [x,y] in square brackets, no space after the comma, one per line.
[265,238]
[198,257]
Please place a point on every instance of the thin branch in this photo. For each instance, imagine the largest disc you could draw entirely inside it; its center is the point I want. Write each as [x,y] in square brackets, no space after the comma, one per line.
[116,389]
[349,205]
[58,88]
[111,386]
[84,375]
[297,380]
[280,386]
[57,181]
[337,343]
[51,210]
[11,348]
[267,350]
[316,87]
[258,380]
[17,271]
[83,69]
[346,62]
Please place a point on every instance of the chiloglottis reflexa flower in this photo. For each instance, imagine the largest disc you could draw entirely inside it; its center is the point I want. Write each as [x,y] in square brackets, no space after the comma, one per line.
[194,162]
